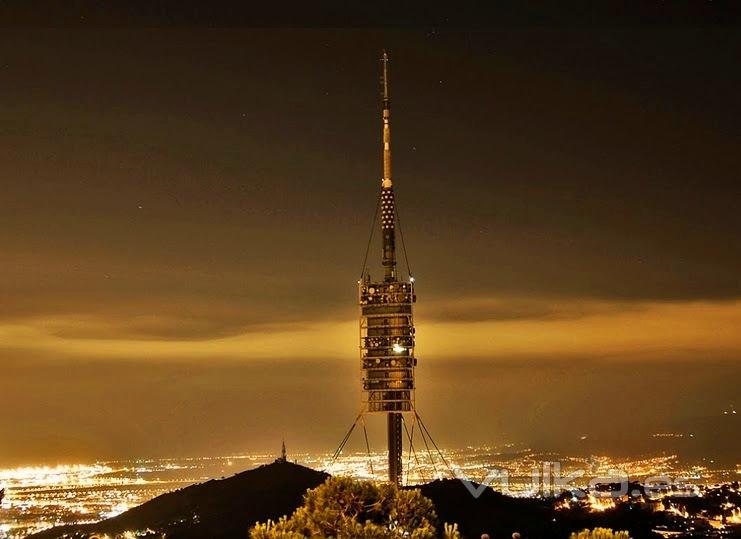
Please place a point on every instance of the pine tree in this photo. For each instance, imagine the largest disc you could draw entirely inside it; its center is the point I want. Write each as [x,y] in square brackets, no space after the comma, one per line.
[342,507]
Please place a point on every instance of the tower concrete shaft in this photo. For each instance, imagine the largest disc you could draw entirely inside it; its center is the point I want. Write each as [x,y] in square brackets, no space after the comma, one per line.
[395,447]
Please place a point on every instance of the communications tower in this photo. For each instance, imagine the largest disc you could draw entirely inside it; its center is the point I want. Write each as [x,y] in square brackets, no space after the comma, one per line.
[386,323]
[387,359]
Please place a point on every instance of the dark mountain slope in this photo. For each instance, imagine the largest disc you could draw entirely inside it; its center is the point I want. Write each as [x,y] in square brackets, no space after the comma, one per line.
[500,515]
[492,512]
[217,509]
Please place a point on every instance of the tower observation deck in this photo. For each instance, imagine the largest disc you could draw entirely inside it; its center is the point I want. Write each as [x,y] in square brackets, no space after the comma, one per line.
[386,322]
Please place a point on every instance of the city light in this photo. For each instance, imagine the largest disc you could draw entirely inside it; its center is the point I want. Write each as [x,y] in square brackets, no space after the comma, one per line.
[45,496]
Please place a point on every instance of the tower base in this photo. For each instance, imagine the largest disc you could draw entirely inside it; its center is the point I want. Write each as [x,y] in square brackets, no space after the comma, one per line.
[395,422]
[395,447]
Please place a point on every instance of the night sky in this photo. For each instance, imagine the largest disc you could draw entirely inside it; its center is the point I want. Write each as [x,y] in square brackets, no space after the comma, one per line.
[185,211]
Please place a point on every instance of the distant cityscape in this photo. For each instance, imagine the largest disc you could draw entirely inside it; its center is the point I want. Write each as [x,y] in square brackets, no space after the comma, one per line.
[41,497]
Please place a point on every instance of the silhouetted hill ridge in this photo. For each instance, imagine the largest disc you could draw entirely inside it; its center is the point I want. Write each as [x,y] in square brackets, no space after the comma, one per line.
[218,509]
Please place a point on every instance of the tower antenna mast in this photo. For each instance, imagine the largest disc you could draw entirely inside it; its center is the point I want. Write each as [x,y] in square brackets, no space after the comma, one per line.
[388,210]
[386,122]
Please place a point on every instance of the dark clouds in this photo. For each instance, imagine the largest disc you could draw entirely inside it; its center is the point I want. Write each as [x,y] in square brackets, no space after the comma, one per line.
[590,172]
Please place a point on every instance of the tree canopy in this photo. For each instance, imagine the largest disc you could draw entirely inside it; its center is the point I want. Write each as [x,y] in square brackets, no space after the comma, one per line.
[342,507]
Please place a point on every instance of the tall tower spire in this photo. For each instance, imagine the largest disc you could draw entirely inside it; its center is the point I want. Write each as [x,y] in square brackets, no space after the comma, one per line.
[388,210]
[386,122]
[386,324]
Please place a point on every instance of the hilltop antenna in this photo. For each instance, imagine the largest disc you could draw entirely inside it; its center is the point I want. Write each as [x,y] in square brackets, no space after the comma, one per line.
[386,181]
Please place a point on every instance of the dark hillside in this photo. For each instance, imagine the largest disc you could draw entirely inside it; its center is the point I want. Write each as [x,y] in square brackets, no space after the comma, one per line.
[217,509]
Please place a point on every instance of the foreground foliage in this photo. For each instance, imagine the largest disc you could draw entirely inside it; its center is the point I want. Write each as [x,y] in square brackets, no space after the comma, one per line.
[342,507]
[599,533]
